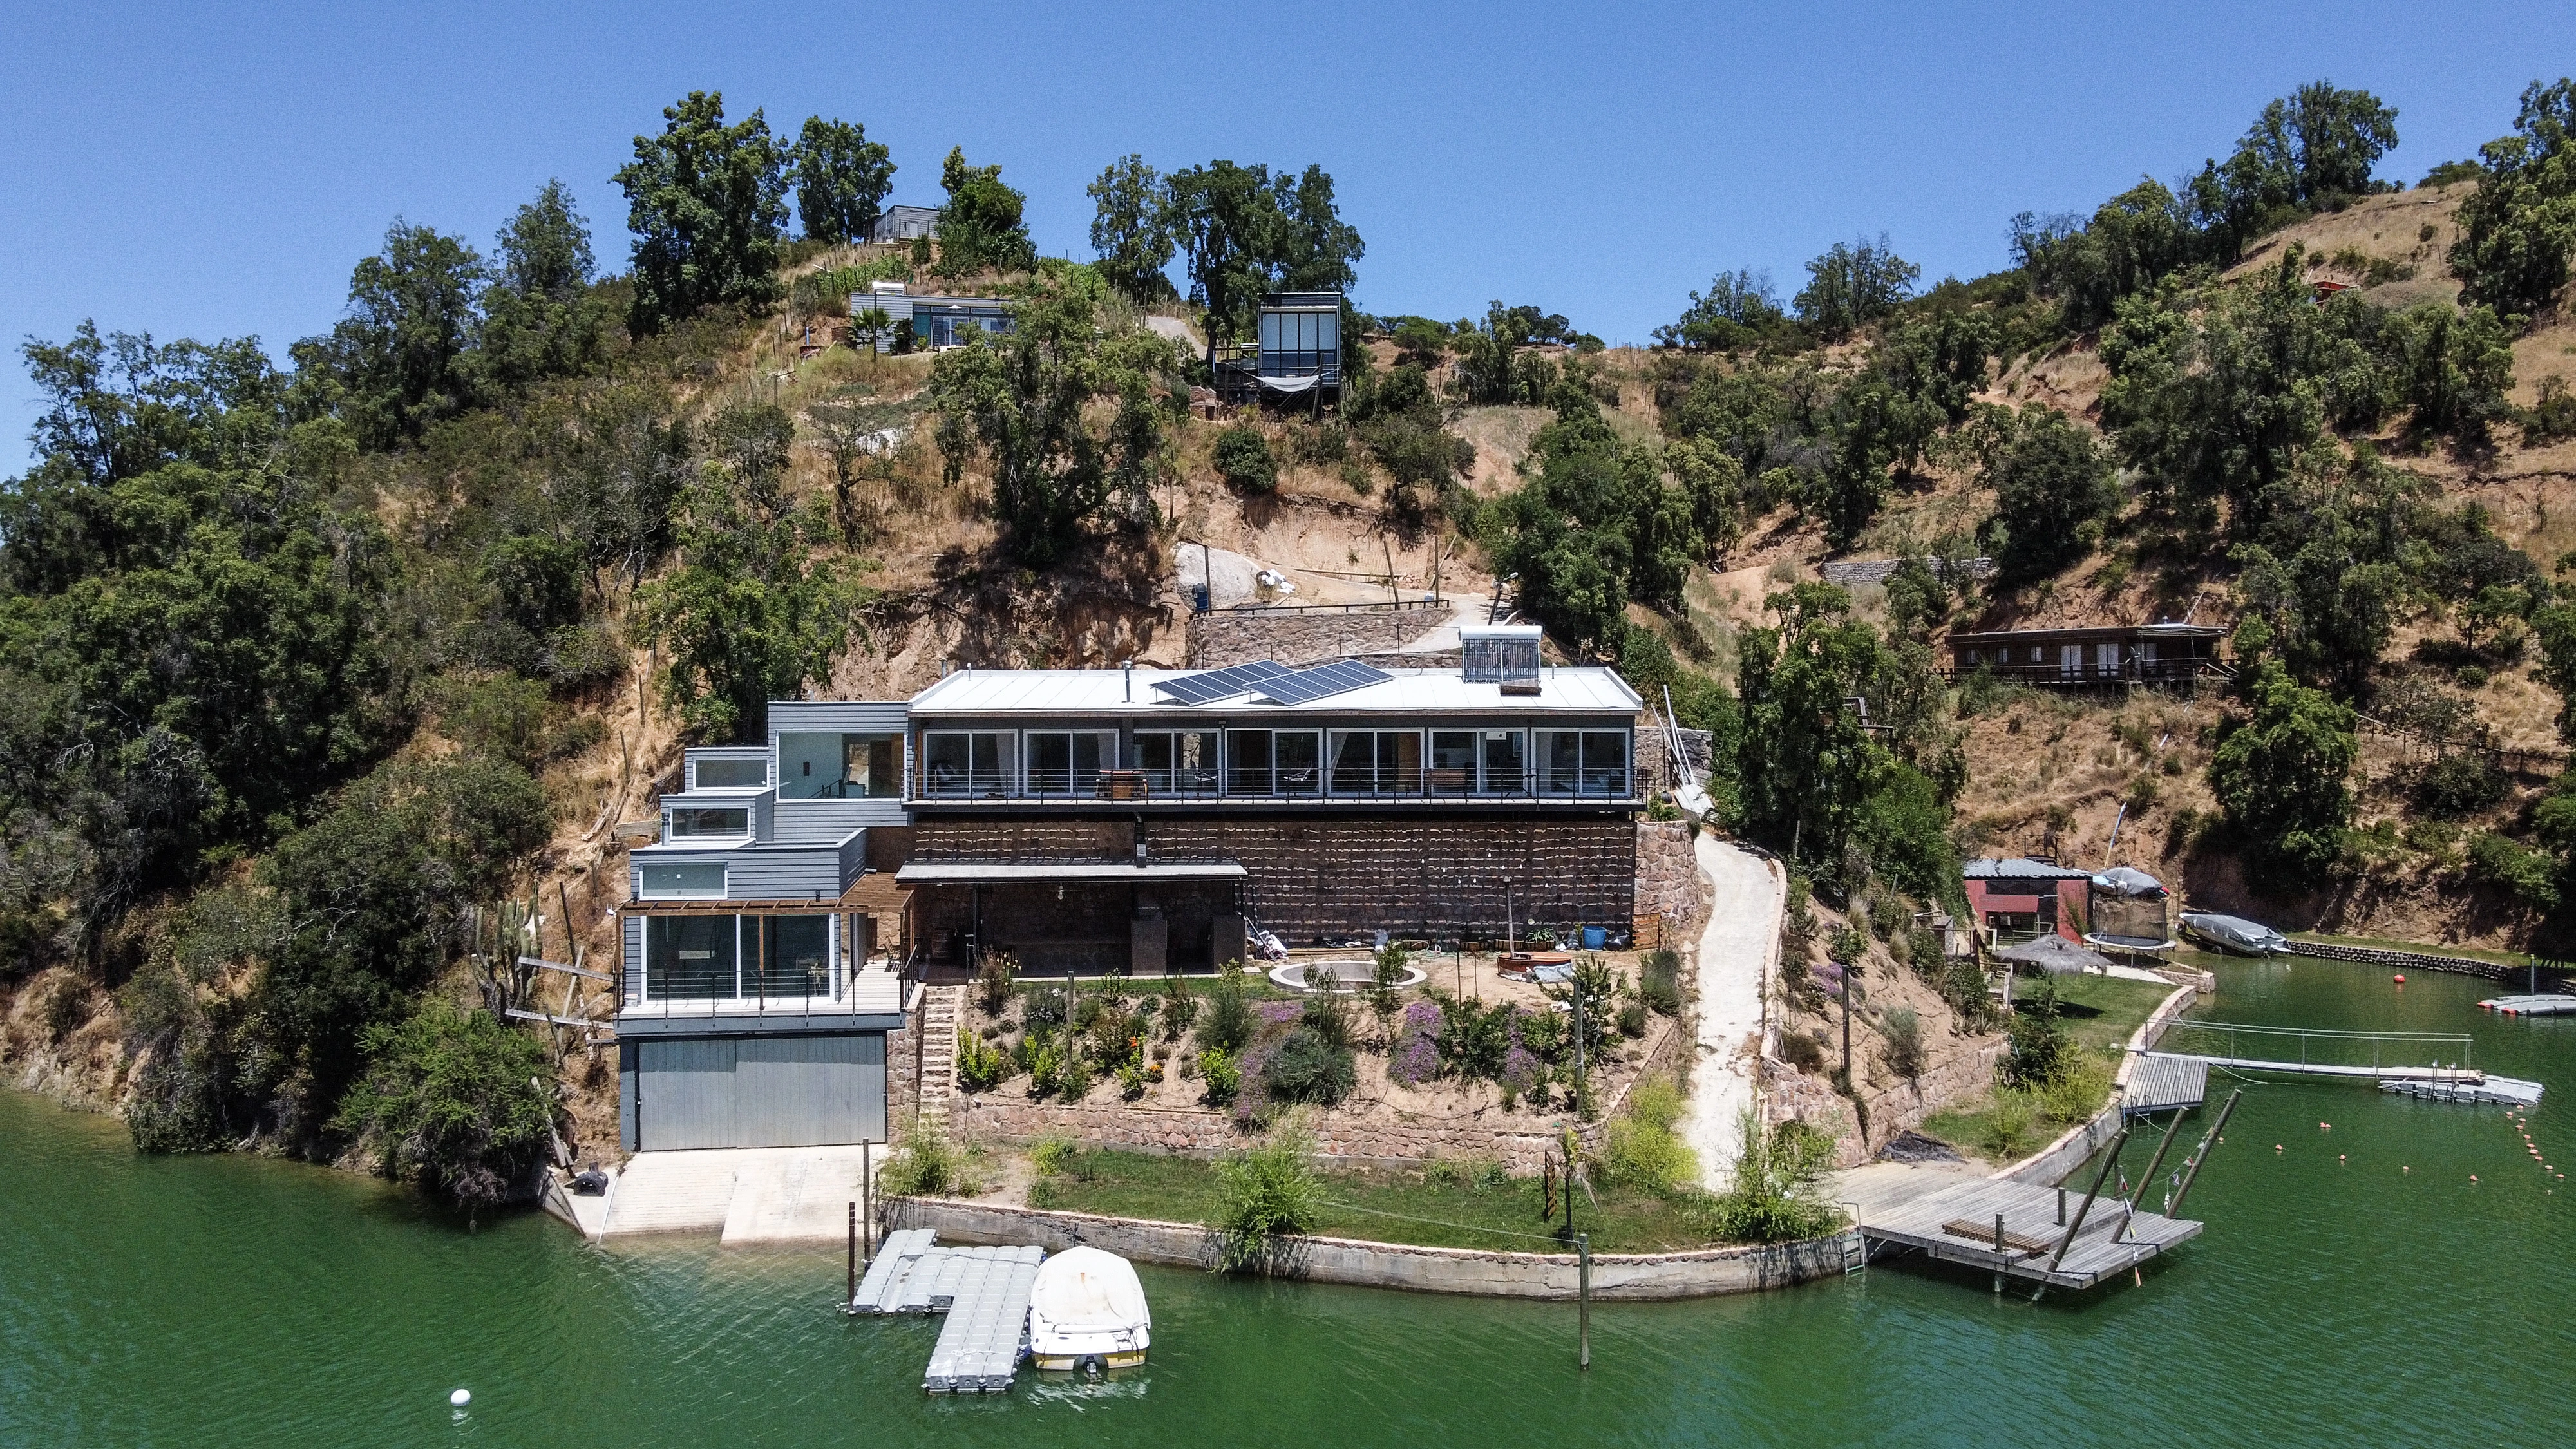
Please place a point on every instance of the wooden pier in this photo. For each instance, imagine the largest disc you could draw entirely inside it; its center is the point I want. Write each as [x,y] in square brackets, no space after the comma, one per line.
[2161,1082]
[1960,1225]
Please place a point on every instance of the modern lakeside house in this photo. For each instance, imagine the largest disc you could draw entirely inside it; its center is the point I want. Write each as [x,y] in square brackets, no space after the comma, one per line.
[1093,820]
[2090,654]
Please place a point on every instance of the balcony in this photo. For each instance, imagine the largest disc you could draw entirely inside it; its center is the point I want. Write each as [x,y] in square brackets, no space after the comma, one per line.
[1294,785]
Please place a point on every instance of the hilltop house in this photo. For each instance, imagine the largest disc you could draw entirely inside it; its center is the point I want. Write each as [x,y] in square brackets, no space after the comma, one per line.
[1295,354]
[903,224]
[2091,654]
[937,321]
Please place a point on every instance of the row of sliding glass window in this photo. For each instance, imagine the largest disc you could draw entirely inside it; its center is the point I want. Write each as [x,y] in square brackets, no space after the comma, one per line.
[730,958]
[1270,763]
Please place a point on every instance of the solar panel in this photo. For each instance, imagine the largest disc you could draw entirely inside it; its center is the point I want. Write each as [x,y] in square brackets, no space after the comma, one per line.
[1219,684]
[1321,682]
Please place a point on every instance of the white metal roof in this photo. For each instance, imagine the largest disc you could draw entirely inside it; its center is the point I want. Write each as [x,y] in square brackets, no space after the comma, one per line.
[1406,691]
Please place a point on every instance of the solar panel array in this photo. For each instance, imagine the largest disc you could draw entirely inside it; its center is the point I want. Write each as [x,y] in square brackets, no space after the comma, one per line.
[1223,683]
[1322,681]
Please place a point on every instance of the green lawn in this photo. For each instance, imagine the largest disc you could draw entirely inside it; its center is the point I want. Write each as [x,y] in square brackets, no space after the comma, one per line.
[2100,1011]
[1500,1213]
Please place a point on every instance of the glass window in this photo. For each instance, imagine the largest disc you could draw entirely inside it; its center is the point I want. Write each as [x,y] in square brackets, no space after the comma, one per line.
[699,820]
[1605,762]
[815,765]
[690,958]
[1247,762]
[795,955]
[1377,762]
[1506,761]
[964,762]
[1328,332]
[1453,762]
[663,880]
[1177,762]
[729,774]
[1297,761]
[1560,762]
[1069,762]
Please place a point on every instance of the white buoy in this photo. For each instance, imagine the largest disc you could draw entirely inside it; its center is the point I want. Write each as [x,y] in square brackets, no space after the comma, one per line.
[460,1398]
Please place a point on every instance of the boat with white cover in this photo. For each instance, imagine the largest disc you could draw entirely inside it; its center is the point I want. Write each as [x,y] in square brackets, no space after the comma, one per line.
[1087,1310]
[2233,934]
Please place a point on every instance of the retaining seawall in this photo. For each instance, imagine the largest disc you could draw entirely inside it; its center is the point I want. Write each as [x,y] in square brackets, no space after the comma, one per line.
[1632,1277]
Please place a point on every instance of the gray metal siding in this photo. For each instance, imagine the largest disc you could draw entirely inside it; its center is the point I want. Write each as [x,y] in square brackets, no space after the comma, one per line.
[632,934]
[777,1091]
[827,822]
[778,875]
[851,716]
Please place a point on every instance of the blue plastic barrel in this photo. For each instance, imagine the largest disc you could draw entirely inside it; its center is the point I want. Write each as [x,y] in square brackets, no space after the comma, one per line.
[1594,937]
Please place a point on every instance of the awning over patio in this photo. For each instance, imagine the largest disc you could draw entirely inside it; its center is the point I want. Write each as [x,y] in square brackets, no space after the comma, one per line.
[989,872]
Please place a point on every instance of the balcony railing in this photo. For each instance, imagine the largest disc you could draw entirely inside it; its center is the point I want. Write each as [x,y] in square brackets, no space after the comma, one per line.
[1275,785]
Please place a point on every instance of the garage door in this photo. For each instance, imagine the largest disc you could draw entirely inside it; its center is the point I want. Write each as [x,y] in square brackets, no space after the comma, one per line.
[784,1091]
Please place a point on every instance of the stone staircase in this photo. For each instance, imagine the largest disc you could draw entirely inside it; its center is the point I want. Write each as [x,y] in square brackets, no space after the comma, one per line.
[942,1009]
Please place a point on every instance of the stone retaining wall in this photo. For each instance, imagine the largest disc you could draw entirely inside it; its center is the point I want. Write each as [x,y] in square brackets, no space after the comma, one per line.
[1299,636]
[1615,1276]
[1668,882]
[2414,960]
[1897,1107]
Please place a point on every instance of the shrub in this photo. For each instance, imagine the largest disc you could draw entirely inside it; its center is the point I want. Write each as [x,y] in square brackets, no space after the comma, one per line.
[1265,1192]
[1131,1080]
[1802,1051]
[1223,1075]
[1243,459]
[1643,1149]
[2529,875]
[1180,1008]
[926,1163]
[1053,1156]
[1415,1057]
[1776,1192]
[993,982]
[980,1066]
[1659,982]
[452,1097]
[1473,1038]
[2039,1050]
[1902,1031]
[1328,1015]
[2077,1092]
[2006,1134]
[1044,1008]
[1522,1071]
[1963,986]
[1632,1020]
[1308,1068]
[1545,1033]
[1229,1014]
[2461,783]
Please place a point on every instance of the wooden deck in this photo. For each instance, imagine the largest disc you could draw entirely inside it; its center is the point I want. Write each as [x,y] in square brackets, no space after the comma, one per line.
[2160,1082]
[2112,1241]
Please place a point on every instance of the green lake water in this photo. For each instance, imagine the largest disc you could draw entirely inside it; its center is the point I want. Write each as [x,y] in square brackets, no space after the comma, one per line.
[229,1301]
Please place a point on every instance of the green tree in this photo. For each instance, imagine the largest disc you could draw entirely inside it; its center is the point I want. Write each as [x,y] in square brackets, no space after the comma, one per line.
[2279,777]
[390,368]
[2317,145]
[2457,366]
[1596,527]
[2053,490]
[1022,401]
[451,1100]
[708,205]
[1852,285]
[1738,309]
[1246,232]
[540,318]
[980,229]
[2518,229]
[841,178]
[2131,242]
[748,616]
[1131,229]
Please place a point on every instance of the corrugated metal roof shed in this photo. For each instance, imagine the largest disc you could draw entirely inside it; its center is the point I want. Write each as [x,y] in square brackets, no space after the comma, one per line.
[2018,868]
[1407,691]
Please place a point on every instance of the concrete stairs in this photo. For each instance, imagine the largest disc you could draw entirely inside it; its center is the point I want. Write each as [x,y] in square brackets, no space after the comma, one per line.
[942,1009]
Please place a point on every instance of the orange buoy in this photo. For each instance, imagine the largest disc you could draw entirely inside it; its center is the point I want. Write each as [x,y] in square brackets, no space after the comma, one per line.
[2401,978]
[2473,1177]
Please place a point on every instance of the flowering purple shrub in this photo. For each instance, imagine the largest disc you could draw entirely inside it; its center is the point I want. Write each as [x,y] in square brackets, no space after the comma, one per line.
[1279,1013]
[1416,1057]
[1521,1070]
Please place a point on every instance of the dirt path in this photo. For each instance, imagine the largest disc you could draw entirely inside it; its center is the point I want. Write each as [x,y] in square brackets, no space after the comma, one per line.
[1735,954]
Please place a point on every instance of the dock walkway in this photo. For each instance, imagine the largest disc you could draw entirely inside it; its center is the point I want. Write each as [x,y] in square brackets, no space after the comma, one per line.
[1957,1225]
[2162,1082]
[2546,1004]
[984,1293]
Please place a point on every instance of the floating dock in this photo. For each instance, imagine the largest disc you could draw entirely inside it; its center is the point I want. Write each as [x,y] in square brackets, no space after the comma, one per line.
[2472,1087]
[1959,1225]
[2551,1004]
[2161,1083]
[984,1292]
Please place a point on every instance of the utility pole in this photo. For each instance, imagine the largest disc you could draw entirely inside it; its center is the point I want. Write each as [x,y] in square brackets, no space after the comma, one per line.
[1847,1071]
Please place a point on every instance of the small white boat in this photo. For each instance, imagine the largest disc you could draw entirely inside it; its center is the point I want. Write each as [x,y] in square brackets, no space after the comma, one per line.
[2234,934]
[1087,1310]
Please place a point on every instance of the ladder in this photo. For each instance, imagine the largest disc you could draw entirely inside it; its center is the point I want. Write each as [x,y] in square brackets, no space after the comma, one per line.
[1854,1246]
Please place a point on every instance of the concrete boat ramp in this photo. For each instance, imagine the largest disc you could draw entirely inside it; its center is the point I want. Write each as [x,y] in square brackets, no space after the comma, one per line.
[984,1293]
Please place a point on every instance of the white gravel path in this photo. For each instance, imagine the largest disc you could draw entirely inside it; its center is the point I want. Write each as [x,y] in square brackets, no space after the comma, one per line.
[1735,954]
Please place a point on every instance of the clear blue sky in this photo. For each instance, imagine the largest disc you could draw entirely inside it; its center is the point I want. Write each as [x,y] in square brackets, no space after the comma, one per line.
[189,172]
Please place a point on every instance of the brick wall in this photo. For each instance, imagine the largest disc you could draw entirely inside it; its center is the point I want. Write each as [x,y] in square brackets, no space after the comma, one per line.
[1345,877]
[1239,636]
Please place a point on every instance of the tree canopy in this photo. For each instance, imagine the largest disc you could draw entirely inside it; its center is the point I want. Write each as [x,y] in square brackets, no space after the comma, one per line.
[2518,229]
[1854,284]
[2279,777]
[980,229]
[707,203]
[841,178]
[1245,231]
[1131,229]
